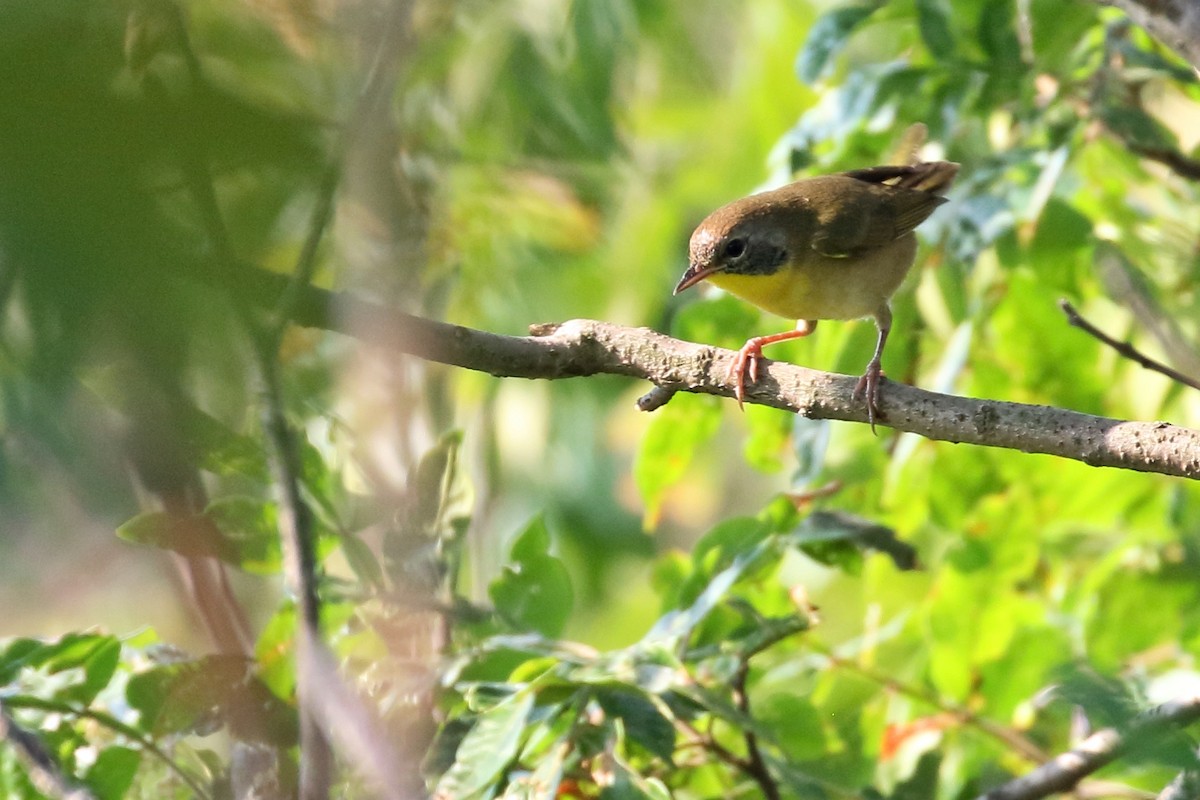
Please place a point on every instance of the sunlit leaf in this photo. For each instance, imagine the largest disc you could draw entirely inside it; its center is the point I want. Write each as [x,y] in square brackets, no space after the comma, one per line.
[113,772]
[534,590]
[488,749]
[828,36]
[676,433]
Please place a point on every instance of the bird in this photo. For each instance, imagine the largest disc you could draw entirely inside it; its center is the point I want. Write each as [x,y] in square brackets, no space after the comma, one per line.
[828,247]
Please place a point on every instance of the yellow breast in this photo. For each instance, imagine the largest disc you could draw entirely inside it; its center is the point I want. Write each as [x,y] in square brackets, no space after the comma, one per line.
[826,288]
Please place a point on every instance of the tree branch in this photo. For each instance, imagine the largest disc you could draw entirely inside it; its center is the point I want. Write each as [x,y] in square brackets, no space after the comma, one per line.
[585,347]
[1175,23]
[1102,747]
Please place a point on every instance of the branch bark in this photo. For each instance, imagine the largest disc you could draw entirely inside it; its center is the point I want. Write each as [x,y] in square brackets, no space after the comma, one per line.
[586,347]
[1175,23]
[1102,747]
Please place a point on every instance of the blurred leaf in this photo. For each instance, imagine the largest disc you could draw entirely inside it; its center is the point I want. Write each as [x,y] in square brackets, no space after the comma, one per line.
[644,720]
[97,656]
[113,772]
[250,530]
[361,559]
[195,536]
[997,33]
[821,531]
[923,782]
[769,433]
[828,36]
[195,696]
[275,651]
[621,782]
[933,19]
[19,654]
[672,439]
[675,627]
[796,724]
[543,782]
[534,590]
[487,750]
[1137,128]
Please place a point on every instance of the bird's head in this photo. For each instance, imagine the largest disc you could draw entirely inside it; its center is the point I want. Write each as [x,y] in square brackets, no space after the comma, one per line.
[746,237]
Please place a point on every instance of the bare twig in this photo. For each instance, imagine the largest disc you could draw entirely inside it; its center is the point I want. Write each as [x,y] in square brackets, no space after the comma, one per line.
[1174,160]
[586,347]
[1007,736]
[1124,348]
[754,765]
[131,733]
[1065,770]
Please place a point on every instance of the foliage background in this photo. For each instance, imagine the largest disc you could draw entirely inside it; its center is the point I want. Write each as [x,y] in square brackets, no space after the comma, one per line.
[540,160]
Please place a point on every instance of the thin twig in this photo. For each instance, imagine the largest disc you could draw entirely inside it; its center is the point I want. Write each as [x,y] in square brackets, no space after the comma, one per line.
[1124,348]
[1010,738]
[754,766]
[131,733]
[1066,770]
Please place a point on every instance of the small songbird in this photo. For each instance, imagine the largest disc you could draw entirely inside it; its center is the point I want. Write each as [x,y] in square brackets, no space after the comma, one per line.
[831,247]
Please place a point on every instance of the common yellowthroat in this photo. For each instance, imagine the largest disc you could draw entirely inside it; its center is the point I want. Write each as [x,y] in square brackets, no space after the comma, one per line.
[831,247]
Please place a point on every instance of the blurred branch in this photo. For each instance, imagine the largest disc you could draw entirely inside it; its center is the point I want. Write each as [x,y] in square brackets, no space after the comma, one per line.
[43,771]
[1102,747]
[1125,349]
[1175,23]
[1186,785]
[143,740]
[1009,737]
[1173,160]
[586,347]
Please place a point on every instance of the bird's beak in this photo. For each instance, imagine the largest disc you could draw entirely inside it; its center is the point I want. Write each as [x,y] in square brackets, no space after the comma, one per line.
[694,275]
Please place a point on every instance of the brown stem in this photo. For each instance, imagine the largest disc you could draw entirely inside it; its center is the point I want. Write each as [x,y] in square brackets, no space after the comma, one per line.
[1124,348]
[1066,769]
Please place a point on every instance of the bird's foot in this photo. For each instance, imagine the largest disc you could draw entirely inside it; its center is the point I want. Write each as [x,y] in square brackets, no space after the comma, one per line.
[867,388]
[745,364]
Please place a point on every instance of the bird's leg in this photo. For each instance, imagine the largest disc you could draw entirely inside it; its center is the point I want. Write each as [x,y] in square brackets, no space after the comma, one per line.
[868,384]
[746,362]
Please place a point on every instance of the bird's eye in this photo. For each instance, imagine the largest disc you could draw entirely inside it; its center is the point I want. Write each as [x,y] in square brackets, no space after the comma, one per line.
[735,247]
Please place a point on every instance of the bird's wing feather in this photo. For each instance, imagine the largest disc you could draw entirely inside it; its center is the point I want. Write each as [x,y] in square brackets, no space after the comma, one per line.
[902,197]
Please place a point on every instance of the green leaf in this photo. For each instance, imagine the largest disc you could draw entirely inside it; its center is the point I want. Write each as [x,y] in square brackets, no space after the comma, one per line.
[97,656]
[670,442]
[182,697]
[249,529]
[488,749]
[646,722]
[836,538]
[275,651]
[933,19]
[828,36]
[796,724]
[194,537]
[543,782]
[1138,128]
[431,483]
[622,782]
[675,627]
[196,696]
[997,34]
[534,591]
[113,772]
[19,654]
[361,559]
